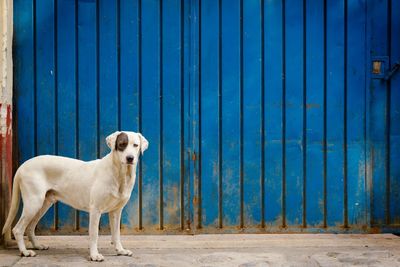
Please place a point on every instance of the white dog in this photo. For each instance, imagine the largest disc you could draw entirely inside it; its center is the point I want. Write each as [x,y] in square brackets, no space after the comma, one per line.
[97,186]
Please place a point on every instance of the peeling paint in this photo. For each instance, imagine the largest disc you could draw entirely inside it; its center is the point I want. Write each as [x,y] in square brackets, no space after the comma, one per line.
[5,119]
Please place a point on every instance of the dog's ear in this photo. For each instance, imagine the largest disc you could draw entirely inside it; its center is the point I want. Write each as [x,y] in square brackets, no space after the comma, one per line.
[110,140]
[144,144]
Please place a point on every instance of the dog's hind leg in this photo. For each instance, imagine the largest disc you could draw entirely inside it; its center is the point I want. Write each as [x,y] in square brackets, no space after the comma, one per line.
[30,230]
[32,205]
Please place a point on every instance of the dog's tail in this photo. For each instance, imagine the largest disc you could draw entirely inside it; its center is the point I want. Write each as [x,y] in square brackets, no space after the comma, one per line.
[13,208]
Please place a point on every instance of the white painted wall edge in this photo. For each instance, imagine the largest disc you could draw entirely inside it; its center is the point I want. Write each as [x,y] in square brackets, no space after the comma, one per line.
[6,67]
[6,96]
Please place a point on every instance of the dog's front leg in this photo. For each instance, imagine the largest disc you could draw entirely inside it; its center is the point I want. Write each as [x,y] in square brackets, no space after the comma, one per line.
[115,225]
[94,234]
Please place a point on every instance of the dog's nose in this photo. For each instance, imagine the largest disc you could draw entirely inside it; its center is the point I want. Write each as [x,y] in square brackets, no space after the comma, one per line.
[129,159]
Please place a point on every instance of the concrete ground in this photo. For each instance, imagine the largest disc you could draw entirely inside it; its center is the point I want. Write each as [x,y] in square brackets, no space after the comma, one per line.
[220,250]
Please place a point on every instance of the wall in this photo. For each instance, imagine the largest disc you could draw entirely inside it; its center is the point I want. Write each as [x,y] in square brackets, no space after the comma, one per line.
[261,115]
[6,79]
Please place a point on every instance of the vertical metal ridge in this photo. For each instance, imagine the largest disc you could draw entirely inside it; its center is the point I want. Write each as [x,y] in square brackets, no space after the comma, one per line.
[220,191]
[161,148]
[76,80]
[35,148]
[241,178]
[262,178]
[97,85]
[140,215]
[182,132]
[388,113]
[368,97]
[366,116]
[199,114]
[325,117]
[77,97]
[193,128]
[55,46]
[304,142]
[283,114]
[119,62]
[345,169]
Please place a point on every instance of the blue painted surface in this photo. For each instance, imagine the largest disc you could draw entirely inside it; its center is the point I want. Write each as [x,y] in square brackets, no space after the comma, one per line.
[394,135]
[108,81]
[151,97]
[260,114]
[378,115]
[129,88]
[251,113]
[209,110]
[23,87]
[87,88]
[45,89]
[356,106]
[66,81]
[273,113]
[230,90]
[294,93]
[335,117]
[314,109]
[172,110]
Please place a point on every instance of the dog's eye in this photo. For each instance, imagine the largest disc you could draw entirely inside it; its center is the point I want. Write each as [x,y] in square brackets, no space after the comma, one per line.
[122,145]
[135,145]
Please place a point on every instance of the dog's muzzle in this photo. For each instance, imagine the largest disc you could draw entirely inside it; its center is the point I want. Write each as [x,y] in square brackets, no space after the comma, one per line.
[129,159]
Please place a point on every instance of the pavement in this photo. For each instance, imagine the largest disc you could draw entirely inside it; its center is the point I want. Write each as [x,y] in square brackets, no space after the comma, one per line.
[219,250]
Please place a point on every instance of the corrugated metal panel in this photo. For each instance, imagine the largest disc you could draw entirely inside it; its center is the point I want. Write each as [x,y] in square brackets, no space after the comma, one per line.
[394,104]
[87,68]
[259,113]
[383,132]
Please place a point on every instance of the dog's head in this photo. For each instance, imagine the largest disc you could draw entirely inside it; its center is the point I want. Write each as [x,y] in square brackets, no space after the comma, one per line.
[127,146]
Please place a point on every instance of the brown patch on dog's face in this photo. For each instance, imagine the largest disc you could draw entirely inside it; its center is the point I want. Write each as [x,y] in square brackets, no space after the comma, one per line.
[122,142]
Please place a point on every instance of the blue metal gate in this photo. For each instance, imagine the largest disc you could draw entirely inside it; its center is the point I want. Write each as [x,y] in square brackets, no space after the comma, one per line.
[262,116]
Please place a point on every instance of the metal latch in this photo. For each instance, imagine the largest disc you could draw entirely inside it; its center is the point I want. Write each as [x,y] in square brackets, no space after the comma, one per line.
[395,68]
[380,68]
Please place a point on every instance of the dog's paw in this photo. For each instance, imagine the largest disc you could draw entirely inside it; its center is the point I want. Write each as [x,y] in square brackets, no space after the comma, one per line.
[41,247]
[96,257]
[124,252]
[28,253]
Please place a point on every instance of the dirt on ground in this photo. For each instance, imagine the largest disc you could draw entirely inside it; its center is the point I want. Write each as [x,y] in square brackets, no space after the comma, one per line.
[219,250]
